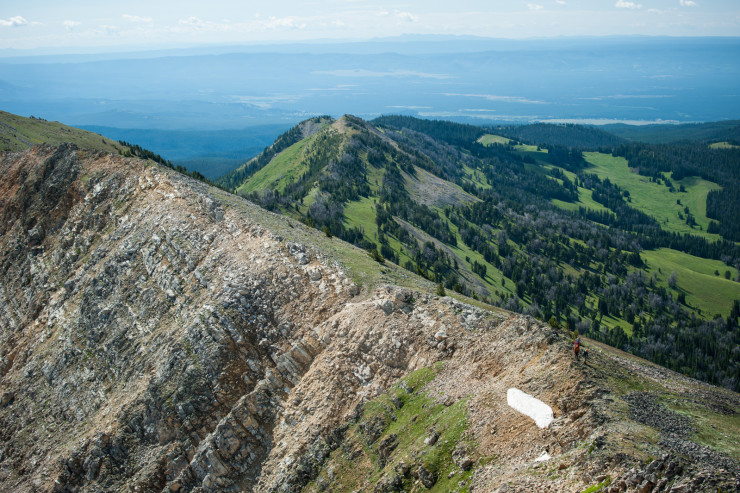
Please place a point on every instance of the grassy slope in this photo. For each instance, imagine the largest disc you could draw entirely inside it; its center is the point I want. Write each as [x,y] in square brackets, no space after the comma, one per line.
[712,294]
[655,199]
[584,200]
[723,145]
[361,213]
[695,277]
[409,423]
[284,168]
[584,196]
[356,262]
[476,177]
[17,133]
[489,139]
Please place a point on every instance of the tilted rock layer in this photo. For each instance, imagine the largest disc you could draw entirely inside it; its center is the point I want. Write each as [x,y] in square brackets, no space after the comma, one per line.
[155,336]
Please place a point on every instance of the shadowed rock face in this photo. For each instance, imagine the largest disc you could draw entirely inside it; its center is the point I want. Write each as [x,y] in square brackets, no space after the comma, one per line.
[155,336]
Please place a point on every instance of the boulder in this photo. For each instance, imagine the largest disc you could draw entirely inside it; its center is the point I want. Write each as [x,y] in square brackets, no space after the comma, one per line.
[385,305]
[645,487]
[427,478]
[432,438]
[314,274]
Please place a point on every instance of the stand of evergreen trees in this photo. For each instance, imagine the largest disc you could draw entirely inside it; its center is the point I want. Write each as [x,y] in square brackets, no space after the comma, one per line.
[580,268]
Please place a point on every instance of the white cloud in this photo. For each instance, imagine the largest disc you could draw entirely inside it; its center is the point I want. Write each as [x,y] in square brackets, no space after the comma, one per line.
[136,18]
[13,21]
[109,29]
[494,97]
[533,6]
[561,2]
[399,107]
[259,24]
[267,102]
[193,22]
[340,87]
[688,3]
[406,16]
[621,4]
[282,23]
[629,96]
[70,25]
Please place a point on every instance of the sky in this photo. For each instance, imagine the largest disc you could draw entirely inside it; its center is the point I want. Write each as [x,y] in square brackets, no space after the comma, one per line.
[99,25]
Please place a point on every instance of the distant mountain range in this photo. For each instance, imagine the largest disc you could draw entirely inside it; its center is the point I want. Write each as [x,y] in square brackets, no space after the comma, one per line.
[473,80]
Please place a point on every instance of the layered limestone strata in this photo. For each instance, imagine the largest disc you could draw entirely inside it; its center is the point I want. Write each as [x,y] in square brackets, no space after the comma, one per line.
[156,336]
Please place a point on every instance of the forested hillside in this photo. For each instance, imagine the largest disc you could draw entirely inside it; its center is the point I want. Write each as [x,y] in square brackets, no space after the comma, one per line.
[568,135]
[629,243]
[666,133]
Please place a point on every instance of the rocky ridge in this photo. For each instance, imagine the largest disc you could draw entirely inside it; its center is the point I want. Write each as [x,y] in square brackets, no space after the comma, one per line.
[159,335]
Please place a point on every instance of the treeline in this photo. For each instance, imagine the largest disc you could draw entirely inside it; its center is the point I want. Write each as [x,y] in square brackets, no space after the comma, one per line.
[707,132]
[568,135]
[451,133]
[337,165]
[724,206]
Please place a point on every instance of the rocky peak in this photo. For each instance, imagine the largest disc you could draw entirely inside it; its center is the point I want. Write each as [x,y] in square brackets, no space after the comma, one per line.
[157,334]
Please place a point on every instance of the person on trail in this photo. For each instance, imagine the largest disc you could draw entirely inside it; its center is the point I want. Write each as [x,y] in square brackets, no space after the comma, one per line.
[585,355]
[577,347]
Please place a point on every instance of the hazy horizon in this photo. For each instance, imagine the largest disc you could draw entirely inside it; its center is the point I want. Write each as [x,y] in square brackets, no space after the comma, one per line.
[225,65]
[137,24]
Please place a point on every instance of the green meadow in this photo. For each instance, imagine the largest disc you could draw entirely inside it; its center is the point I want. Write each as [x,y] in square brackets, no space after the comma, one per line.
[490,139]
[361,213]
[284,168]
[584,196]
[696,277]
[723,145]
[655,199]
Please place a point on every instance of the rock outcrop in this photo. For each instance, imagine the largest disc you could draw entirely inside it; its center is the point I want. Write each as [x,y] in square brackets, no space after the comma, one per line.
[156,336]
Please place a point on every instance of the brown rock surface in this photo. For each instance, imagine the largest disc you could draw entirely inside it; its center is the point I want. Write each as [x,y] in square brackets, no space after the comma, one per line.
[157,334]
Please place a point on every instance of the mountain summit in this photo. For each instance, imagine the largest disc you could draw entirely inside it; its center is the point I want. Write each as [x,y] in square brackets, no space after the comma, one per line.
[628,243]
[159,334]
